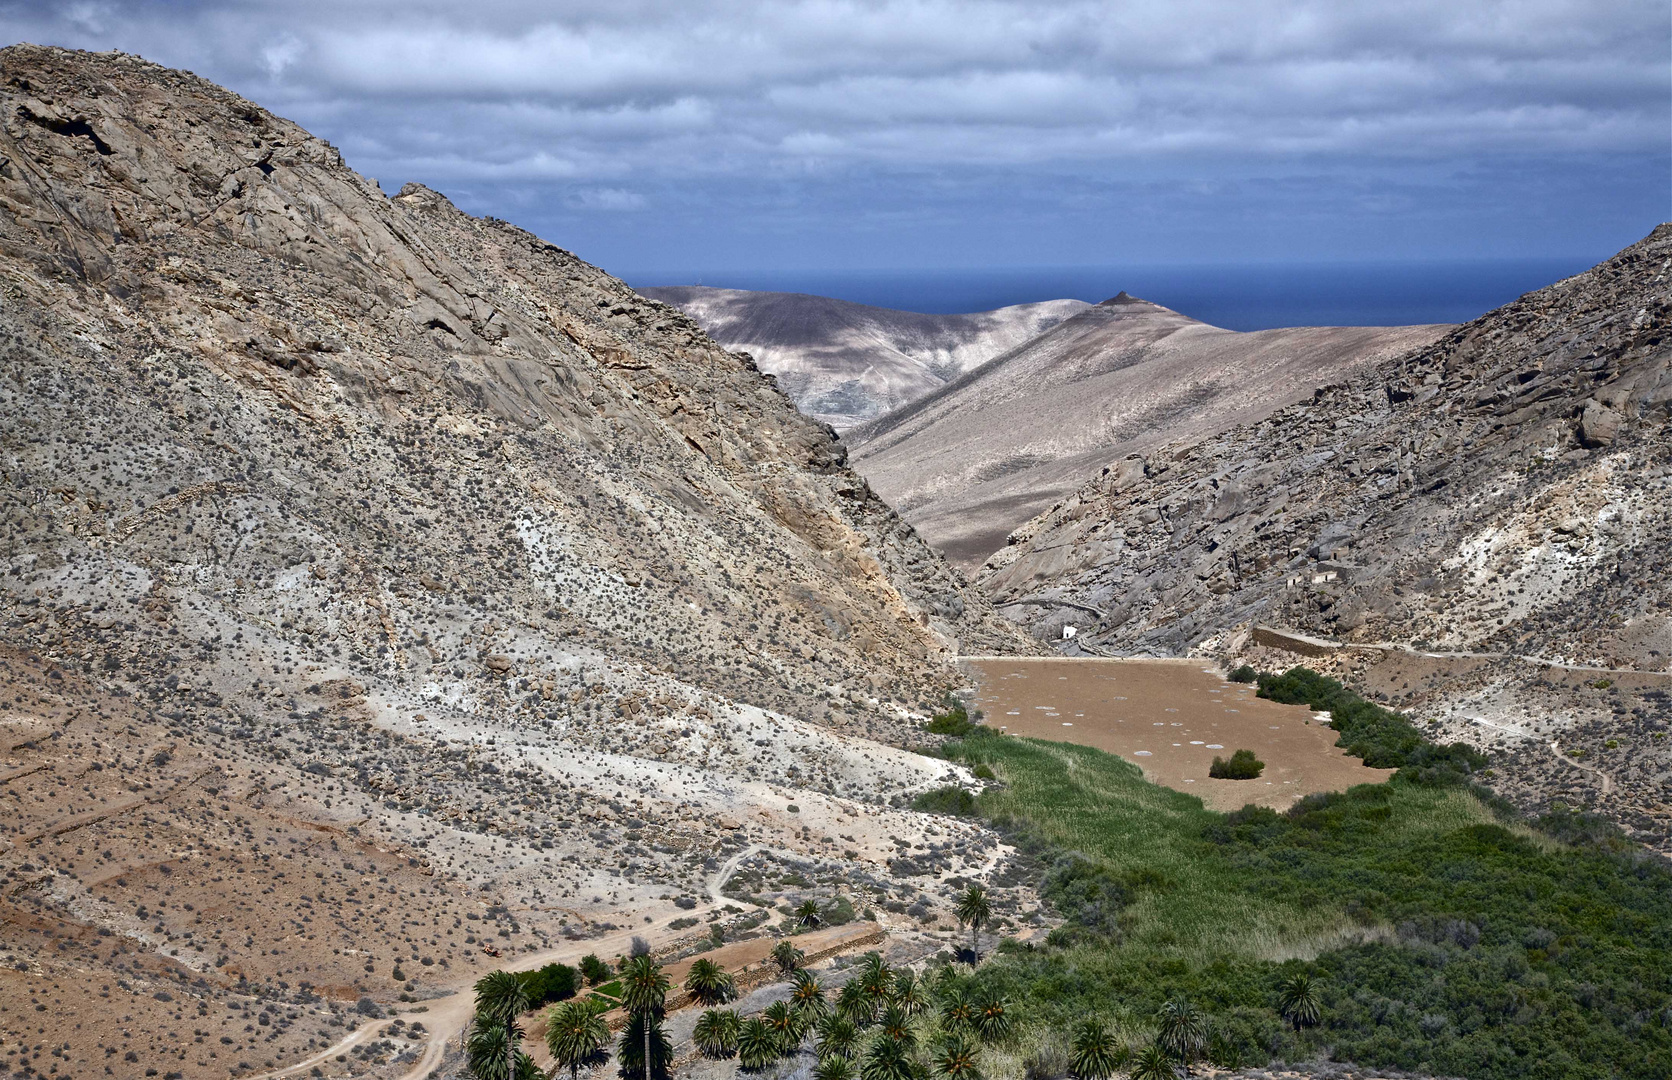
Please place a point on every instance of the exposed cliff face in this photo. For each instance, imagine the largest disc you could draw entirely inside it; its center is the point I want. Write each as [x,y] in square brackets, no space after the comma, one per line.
[369,521]
[974,460]
[846,363]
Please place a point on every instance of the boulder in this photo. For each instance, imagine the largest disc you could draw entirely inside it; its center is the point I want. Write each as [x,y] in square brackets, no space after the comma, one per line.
[1598,425]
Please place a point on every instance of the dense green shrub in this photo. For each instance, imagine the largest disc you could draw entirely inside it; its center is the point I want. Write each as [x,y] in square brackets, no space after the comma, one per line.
[1086,893]
[1242,766]
[595,970]
[1382,737]
[953,719]
[554,982]
[945,800]
[1244,674]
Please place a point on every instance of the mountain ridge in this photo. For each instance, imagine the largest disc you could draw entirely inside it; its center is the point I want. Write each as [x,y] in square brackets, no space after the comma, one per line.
[973,460]
[844,363]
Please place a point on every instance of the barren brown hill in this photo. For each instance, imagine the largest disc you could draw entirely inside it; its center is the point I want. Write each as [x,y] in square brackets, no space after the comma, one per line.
[846,363]
[381,586]
[972,461]
[1495,505]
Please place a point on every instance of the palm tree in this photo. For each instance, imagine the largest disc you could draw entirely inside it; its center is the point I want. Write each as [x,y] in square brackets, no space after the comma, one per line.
[756,1046]
[837,1036]
[974,909]
[1097,1053]
[1297,1000]
[896,1026]
[643,1038]
[957,1010]
[716,1033]
[833,1068]
[806,912]
[876,980]
[855,1004]
[807,997]
[910,994]
[493,1052]
[501,997]
[644,990]
[494,1047]
[888,1060]
[958,1060]
[1152,1063]
[786,956]
[575,1031]
[1181,1030]
[992,1016]
[709,983]
[785,1027]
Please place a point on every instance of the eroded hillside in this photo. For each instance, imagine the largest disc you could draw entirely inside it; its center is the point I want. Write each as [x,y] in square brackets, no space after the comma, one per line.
[358,553]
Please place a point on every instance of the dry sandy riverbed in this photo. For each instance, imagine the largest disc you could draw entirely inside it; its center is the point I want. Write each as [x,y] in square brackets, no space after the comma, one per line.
[1170,717]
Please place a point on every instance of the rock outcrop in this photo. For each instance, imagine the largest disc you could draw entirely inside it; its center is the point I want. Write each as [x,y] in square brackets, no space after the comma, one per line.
[846,363]
[976,459]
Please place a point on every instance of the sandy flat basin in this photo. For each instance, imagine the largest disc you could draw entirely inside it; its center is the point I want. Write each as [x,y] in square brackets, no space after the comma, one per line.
[1170,718]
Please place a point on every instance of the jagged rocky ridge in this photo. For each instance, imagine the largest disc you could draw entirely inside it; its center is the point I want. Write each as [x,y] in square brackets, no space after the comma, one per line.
[405,538]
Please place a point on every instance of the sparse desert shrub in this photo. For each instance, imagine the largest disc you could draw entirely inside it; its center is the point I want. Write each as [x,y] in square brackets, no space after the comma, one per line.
[1242,766]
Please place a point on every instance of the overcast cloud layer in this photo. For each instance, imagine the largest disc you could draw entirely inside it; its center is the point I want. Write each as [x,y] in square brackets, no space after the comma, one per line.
[934,133]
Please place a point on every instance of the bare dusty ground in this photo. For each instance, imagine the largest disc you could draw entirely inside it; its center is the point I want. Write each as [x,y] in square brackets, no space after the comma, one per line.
[1171,718]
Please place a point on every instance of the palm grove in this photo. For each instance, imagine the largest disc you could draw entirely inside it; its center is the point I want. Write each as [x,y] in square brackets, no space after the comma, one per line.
[883,1023]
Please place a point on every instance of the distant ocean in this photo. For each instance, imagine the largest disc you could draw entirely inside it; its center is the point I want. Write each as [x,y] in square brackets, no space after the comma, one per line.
[1251,296]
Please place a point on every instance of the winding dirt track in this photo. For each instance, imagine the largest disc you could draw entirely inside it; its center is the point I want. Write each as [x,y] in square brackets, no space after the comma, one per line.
[448,1016]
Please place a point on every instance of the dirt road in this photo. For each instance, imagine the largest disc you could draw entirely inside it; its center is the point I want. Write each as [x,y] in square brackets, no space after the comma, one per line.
[448,1016]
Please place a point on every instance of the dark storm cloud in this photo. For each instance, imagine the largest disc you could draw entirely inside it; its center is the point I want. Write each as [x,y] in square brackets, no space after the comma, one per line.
[592,108]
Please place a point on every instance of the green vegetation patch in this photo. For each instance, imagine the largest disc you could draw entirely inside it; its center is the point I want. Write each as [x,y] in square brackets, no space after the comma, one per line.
[1242,766]
[945,800]
[1382,737]
[1439,934]
[554,982]
[953,719]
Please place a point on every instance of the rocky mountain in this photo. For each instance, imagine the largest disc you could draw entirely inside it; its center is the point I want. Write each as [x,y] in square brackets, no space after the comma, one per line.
[980,456]
[846,363]
[384,589]
[1489,515]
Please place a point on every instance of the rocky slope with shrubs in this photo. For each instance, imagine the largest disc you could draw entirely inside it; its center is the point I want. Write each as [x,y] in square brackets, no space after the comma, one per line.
[374,575]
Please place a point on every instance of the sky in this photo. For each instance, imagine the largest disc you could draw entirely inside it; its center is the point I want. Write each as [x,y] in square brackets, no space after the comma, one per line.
[682,138]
